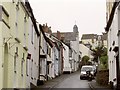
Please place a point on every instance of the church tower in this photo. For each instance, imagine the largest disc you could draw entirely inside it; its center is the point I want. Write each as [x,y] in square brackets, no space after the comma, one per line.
[75,29]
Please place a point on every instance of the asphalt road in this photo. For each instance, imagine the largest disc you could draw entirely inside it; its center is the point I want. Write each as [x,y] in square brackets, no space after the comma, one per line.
[73,81]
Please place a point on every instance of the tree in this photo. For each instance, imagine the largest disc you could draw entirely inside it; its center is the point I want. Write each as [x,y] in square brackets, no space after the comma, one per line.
[104,61]
[85,61]
[98,52]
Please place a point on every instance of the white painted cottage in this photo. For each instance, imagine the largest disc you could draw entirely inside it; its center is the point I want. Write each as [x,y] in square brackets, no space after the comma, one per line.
[112,29]
[32,62]
[85,51]
[66,62]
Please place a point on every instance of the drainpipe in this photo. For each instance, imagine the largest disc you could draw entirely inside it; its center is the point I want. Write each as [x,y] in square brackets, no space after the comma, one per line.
[39,58]
[118,61]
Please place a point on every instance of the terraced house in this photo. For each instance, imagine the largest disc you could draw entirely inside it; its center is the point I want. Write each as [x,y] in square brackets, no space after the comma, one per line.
[29,52]
[50,56]
[113,31]
[16,23]
[32,62]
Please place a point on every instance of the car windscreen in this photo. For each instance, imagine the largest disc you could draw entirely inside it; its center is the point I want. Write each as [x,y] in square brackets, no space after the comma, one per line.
[86,68]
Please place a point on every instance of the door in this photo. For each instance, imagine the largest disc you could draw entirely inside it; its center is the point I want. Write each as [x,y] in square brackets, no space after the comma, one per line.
[5,67]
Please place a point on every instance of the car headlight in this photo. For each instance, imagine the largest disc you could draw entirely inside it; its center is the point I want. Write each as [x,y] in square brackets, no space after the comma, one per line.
[82,73]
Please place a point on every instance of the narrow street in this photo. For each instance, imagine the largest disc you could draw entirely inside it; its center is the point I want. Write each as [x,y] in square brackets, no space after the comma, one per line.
[41,40]
[67,81]
[73,81]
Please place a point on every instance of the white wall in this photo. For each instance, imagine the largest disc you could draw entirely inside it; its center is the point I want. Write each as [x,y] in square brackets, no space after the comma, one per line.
[85,50]
[33,49]
[75,55]
[66,59]
[56,60]
[43,61]
[112,36]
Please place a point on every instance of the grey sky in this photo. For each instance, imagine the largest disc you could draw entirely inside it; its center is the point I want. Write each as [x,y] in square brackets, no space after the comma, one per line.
[90,15]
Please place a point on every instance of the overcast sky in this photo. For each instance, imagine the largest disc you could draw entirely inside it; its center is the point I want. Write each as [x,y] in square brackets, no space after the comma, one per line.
[61,15]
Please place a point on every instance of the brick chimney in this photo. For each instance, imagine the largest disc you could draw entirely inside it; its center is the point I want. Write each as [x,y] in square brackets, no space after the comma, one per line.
[45,28]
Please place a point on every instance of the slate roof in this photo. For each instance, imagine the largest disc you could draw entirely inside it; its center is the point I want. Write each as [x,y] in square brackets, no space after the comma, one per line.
[94,36]
[46,38]
[68,36]
[89,36]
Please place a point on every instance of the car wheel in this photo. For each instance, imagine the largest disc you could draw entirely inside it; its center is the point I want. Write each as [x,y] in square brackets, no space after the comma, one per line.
[81,78]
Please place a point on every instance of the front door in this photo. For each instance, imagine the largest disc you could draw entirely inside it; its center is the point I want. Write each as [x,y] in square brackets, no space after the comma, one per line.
[5,67]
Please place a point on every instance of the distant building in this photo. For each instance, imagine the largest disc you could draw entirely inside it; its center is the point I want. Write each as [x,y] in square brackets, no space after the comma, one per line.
[89,40]
[94,40]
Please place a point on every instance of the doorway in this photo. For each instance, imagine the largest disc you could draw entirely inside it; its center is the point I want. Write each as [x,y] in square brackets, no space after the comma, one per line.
[5,67]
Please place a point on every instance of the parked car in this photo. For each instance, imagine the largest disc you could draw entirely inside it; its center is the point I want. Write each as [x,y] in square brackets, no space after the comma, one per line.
[84,69]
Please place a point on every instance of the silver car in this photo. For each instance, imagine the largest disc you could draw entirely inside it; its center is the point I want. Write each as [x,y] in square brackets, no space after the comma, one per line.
[85,68]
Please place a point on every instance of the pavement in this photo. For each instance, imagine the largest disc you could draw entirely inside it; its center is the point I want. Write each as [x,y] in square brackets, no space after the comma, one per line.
[95,86]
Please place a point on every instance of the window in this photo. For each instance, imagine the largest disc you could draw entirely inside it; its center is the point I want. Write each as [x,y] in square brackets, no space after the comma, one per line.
[15,64]
[25,30]
[15,59]
[35,40]
[70,53]
[32,34]
[16,22]
[4,16]
[22,64]
[113,43]
[48,69]
[22,67]
[16,52]
[31,69]
[49,51]
[27,68]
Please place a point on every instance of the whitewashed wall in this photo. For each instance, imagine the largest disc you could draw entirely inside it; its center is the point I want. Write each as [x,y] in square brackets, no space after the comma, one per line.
[33,49]
[43,61]
[56,55]
[112,36]
[67,67]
